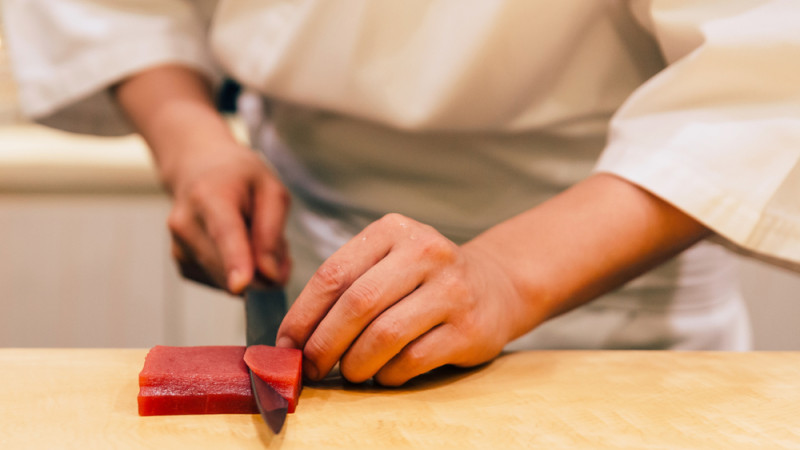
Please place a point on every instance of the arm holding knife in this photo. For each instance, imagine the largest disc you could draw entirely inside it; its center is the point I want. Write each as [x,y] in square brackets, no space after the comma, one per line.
[229,208]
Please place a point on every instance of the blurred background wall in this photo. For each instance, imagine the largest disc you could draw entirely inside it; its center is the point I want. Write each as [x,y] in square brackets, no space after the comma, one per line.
[85,254]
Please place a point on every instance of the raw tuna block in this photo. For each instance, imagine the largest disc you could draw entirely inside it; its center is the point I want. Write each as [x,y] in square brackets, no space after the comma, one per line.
[280,367]
[195,380]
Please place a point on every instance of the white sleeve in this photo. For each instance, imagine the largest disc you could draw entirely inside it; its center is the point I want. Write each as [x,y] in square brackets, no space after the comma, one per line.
[65,54]
[717,132]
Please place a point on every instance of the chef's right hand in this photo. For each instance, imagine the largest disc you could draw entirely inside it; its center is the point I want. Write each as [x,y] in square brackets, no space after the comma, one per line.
[227,218]
[229,208]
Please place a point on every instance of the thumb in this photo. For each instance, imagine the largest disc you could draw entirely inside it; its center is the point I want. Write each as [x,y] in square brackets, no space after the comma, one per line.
[227,230]
[268,219]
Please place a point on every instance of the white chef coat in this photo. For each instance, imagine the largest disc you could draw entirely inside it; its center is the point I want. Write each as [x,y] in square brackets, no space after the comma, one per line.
[461,114]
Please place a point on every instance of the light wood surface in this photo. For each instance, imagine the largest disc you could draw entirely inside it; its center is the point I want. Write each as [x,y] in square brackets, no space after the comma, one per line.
[86,398]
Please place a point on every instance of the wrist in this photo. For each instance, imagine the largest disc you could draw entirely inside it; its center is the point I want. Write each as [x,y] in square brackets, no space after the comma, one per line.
[525,297]
[172,108]
[185,163]
[585,242]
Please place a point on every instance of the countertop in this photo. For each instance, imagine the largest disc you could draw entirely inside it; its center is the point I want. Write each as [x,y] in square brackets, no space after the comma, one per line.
[41,159]
[36,158]
[86,398]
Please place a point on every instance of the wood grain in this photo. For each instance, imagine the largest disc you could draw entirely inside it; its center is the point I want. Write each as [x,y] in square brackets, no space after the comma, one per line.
[86,398]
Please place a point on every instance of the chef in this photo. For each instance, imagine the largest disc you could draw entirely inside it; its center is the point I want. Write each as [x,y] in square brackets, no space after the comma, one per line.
[447,179]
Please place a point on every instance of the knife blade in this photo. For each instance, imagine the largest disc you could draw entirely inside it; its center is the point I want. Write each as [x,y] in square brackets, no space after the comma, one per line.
[272,407]
[264,310]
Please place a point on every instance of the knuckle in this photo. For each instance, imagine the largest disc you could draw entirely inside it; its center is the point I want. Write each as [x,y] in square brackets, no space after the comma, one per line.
[406,365]
[393,217]
[226,234]
[455,287]
[225,241]
[361,297]
[438,248]
[198,194]
[215,231]
[386,332]
[464,329]
[394,221]
[352,372]
[413,358]
[178,221]
[330,278]
[315,350]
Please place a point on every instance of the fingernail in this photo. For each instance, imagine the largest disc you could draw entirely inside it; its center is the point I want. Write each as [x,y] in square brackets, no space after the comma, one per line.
[269,265]
[237,280]
[310,371]
[285,342]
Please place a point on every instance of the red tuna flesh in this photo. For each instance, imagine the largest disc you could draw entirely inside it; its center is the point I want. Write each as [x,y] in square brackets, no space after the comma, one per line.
[214,379]
[195,380]
[280,367]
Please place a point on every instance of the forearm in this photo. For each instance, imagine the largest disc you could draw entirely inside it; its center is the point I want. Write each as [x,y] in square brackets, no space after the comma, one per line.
[172,108]
[585,242]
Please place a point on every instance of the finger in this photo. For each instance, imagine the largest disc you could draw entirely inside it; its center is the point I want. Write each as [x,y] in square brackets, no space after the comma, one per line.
[261,282]
[195,254]
[332,278]
[390,332]
[286,262]
[187,266]
[225,226]
[268,219]
[387,282]
[431,350]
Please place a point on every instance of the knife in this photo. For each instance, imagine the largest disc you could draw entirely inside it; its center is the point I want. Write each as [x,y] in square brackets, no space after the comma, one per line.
[264,310]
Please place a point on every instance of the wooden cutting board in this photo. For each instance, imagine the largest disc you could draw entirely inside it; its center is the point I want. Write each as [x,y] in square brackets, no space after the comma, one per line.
[86,398]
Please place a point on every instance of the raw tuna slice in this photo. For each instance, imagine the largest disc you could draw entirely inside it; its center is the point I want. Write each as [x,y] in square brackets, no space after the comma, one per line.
[195,380]
[280,367]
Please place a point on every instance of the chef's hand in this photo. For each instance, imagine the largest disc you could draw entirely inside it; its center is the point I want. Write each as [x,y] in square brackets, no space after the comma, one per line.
[398,300]
[227,219]
[229,209]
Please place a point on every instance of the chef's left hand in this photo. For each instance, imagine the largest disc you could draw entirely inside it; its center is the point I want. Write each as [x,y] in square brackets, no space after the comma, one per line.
[399,300]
